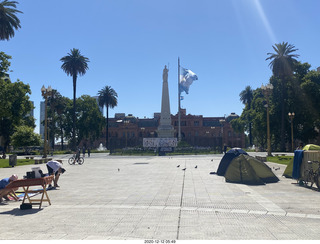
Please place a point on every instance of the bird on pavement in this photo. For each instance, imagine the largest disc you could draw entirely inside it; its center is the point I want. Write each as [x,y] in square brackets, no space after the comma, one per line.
[184,169]
[178,166]
[196,167]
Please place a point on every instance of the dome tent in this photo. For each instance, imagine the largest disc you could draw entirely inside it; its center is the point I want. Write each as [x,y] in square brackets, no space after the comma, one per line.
[227,158]
[248,170]
[311,147]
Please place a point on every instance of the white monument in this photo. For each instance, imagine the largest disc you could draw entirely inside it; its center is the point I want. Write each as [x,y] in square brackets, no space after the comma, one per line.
[165,129]
[165,141]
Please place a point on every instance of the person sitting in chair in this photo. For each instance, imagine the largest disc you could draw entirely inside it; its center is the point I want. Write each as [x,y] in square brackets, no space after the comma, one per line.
[54,167]
[3,183]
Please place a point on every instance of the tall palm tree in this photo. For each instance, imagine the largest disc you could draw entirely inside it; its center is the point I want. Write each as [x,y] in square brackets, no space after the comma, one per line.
[282,65]
[74,64]
[246,97]
[108,97]
[8,19]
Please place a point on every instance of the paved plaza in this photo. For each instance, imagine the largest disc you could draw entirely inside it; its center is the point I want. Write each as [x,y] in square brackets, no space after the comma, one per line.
[139,198]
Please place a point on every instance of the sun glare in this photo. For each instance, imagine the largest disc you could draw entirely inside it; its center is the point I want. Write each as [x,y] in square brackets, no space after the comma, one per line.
[265,20]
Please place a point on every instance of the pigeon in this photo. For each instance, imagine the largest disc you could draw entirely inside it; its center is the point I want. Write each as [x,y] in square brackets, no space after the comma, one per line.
[196,166]
[184,169]
[178,166]
[118,169]
[211,160]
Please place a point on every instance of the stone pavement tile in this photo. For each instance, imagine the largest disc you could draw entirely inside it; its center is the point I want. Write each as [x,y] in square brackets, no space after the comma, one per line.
[143,232]
[191,233]
[97,237]
[167,235]
[247,233]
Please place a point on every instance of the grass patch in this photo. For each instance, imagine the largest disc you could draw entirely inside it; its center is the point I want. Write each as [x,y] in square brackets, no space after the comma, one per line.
[280,159]
[4,163]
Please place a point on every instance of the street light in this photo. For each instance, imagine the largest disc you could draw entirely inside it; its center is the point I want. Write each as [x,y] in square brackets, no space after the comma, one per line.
[46,92]
[266,90]
[291,116]
[222,121]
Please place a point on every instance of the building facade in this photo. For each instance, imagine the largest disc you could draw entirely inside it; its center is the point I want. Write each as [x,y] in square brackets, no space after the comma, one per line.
[196,130]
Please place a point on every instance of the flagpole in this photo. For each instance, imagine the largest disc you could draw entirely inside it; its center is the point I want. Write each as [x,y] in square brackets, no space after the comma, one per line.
[179,102]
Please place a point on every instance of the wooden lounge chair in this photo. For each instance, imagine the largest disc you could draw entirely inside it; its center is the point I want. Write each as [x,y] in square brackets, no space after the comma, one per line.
[27,185]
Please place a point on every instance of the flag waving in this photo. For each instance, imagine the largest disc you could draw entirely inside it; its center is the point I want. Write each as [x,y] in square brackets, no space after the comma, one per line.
[186,79]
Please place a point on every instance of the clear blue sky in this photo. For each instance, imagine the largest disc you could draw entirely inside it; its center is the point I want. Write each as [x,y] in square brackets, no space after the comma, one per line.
[128,42]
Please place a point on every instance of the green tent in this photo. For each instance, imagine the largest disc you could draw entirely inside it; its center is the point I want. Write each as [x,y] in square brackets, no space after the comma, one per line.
[311,147]
[248,170]
[288,171]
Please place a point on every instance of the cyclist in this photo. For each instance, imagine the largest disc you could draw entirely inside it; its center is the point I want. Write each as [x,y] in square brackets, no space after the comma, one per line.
[77,156]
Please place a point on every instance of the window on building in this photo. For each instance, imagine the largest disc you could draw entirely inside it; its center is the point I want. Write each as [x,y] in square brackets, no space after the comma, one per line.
[196,123]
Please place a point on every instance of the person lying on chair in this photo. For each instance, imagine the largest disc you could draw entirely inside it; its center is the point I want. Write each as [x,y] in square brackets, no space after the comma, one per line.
[54,167]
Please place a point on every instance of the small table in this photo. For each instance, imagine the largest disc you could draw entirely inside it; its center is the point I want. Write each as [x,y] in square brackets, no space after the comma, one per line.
[27,183]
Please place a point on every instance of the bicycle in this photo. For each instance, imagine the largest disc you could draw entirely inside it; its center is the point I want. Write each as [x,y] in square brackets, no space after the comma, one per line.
[74,160]
[313,176]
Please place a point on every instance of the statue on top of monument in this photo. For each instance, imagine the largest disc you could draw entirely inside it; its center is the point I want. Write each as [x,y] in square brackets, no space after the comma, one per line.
[165,74]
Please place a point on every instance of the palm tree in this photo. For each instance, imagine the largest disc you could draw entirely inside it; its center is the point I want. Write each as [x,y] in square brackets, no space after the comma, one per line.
[74,64]
[8,20]
[108,98]
[282,65]
[246,97]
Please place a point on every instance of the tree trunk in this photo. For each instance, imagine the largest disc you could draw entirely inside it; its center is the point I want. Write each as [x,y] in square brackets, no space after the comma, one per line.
[250,134]
[74,112]
[107,128]
[61,131]
[282,132]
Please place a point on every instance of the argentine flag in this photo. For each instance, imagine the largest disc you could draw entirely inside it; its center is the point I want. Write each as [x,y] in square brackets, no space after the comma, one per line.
[186,79]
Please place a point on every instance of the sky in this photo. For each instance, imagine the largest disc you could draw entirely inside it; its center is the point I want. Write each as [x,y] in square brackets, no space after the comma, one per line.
[128,43]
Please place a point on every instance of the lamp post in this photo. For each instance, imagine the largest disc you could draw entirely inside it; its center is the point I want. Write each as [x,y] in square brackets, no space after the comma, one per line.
[46,92]
[266,90]
[291,116]
[222,121]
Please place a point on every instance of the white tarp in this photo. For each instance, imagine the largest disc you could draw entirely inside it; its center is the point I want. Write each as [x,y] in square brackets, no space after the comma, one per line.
[160,142]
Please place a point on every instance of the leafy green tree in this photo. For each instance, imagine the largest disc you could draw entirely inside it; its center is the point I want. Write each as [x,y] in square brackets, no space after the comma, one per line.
[108,97]
[24,136]
[302,98]
[14,108]
[246,97]
[57,108]
[4,65]
[309,107]
[282,64]
[8,19]
[90,119]
[74,64]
